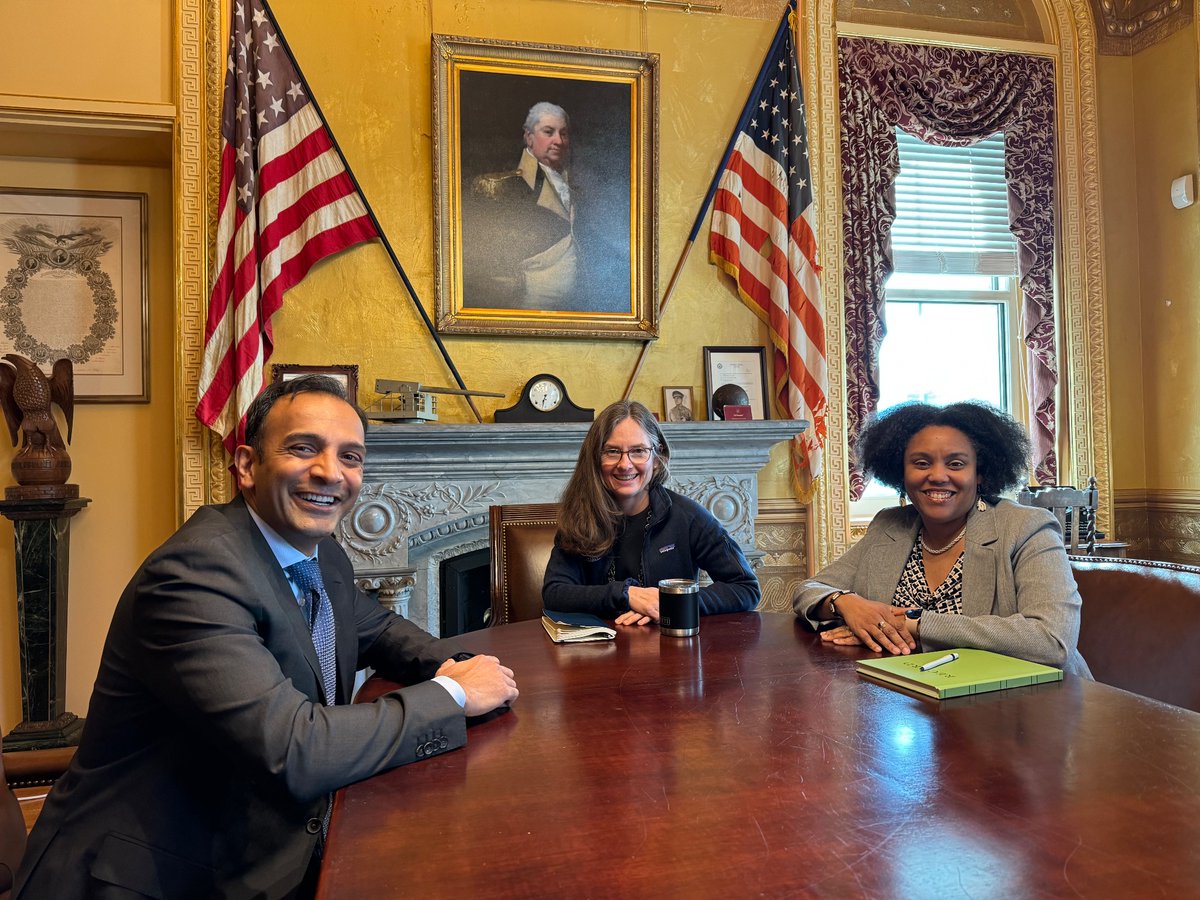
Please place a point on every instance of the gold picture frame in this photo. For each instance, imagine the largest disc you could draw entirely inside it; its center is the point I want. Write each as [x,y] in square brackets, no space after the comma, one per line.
[74,283]
[524,250]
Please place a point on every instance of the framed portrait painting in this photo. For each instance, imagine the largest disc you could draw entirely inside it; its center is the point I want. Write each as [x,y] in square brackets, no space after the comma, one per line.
[545,189]
[74,268]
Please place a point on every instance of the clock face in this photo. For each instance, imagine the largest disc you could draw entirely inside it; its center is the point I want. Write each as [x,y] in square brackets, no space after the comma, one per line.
[545,395]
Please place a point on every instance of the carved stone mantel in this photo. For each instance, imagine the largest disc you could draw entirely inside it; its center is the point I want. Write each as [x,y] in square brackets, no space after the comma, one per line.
[428,487]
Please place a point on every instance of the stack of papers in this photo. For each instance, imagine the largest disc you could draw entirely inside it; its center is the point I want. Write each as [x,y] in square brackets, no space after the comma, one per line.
[573,628]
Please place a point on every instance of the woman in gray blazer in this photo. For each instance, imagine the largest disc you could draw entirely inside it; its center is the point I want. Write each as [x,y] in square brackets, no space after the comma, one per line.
[958,567]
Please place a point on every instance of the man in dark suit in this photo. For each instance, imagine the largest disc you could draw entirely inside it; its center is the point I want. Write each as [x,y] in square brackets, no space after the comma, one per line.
[210,751]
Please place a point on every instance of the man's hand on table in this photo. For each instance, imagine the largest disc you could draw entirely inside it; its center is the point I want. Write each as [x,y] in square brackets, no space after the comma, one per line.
[486,683]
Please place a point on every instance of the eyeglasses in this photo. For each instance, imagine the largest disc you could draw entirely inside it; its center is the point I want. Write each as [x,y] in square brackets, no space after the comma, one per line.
[637,455]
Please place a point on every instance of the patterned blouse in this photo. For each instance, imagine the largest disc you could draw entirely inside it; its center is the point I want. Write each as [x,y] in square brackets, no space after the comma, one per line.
[913,590]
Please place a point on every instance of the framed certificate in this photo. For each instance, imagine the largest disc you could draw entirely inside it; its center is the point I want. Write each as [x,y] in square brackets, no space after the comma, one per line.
[736,376]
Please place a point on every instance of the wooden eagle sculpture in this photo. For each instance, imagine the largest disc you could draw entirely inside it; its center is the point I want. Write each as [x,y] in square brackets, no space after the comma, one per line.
[25,396]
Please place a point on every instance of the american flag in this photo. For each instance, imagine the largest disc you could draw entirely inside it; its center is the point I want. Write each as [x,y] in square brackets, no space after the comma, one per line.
[762,235]
[287,201]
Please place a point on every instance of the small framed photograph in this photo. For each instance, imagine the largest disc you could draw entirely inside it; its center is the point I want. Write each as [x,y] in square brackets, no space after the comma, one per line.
[73,267]
[736,376]
[678,404]
[347,375]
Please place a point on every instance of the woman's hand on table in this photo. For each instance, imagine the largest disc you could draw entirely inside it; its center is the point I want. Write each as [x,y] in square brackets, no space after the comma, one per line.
[643,607]
[877,626]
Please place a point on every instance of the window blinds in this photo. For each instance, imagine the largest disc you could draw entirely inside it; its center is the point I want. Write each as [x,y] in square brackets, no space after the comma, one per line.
[952,209]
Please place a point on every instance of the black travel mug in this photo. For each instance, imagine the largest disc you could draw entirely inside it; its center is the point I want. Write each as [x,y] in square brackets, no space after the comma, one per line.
[678,607]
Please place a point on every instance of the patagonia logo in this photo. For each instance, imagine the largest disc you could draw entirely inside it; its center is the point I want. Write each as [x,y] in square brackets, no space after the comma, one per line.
[666,549]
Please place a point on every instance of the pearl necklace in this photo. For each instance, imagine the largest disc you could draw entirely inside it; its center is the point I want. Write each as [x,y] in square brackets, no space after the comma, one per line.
[932,551]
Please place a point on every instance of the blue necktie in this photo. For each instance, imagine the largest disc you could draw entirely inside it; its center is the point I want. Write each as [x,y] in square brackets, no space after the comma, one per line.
[307,576]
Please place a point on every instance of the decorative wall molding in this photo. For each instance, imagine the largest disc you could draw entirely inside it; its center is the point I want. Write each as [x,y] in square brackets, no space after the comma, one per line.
[782,532]
[828,528]
[1159,524]
[1126,27]
[201,69]
[1084,363]
[1159,498]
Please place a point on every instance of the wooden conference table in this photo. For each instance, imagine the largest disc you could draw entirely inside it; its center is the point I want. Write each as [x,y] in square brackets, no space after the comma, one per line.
[752,761]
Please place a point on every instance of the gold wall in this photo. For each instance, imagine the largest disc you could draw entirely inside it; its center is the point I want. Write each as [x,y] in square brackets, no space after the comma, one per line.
[1164,125]
[1119,180]
[114,50]
[1161,514]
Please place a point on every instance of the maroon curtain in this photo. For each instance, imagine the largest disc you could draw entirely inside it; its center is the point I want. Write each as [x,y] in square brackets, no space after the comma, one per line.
[949,97]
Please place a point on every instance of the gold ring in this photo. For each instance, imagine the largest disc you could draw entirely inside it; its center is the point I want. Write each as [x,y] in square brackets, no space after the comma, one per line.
[881,624]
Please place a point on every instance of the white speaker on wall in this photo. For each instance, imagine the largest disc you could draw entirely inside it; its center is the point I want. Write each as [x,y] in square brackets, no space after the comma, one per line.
[1183,192]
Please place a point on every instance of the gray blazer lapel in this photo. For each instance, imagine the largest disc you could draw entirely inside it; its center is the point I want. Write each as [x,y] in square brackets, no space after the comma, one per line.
[888,557]
[979,563]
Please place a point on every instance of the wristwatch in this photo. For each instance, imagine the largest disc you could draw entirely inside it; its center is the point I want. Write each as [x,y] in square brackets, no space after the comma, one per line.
[834,598]
[914,613]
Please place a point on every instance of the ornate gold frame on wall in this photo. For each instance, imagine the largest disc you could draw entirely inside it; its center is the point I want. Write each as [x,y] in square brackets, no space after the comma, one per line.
[1083,366]
[584,81]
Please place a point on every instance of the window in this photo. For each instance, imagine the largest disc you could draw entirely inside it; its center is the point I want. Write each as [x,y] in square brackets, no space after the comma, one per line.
[951,305]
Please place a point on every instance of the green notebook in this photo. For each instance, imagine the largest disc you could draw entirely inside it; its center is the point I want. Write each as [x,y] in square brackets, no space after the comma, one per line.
[974,672]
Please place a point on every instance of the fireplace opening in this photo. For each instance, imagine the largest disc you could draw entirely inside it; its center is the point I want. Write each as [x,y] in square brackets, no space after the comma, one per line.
[466,591]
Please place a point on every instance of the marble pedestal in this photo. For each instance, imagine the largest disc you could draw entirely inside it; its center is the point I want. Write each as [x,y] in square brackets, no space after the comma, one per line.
[42,532]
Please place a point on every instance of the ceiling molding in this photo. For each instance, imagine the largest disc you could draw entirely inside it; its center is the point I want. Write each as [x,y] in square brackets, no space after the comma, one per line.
[1126,27]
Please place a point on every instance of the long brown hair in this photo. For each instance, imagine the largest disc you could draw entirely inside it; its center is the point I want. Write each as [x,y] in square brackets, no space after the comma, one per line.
[589,518]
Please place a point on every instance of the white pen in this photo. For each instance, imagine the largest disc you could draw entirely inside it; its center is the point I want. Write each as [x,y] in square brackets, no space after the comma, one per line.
[941,661]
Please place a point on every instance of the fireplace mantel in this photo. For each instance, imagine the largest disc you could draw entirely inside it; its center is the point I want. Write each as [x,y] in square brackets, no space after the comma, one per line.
[428,487]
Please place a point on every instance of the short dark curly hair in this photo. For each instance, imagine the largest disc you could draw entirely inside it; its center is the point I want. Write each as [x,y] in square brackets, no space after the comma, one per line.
[1000,443]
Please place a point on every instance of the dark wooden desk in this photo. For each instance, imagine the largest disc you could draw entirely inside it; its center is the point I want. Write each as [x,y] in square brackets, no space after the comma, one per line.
[753,761]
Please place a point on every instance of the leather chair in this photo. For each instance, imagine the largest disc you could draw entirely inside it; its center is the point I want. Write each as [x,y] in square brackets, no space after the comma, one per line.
[522,536]
[1075,510]
[1133,611]
[12,834]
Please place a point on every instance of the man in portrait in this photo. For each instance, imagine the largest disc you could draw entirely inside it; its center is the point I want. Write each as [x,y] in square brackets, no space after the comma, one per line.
[679,411]
[532,236]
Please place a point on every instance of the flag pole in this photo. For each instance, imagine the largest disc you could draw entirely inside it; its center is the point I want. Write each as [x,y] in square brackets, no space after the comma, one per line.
[712,190]
[387,245]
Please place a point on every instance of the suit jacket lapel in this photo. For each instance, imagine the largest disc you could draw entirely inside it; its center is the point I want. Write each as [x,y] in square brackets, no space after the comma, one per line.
[546,196]
[276,582]
[979,563]
[889,555]
[346,632]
